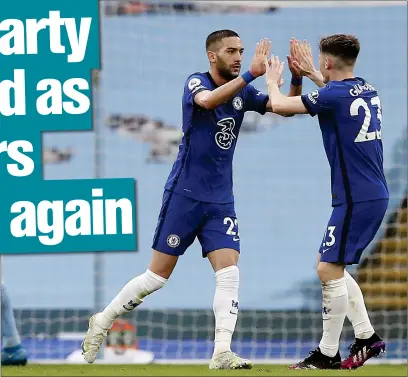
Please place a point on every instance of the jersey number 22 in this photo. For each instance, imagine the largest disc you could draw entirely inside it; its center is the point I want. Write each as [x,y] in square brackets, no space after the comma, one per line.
[364,135]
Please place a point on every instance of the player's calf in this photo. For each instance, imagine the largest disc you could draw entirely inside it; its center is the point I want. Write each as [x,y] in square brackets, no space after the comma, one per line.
[225,307]
[225,303]
[357,311]
[367,343]
[334,306]
[133,293]
[334,309]
[129,298]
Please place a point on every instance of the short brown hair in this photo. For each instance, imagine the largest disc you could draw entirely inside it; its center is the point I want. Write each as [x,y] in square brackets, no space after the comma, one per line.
[343,46]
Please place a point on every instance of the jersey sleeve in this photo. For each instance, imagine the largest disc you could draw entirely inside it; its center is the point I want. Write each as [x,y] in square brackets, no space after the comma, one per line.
[195,84]
[255,100]
[318,101]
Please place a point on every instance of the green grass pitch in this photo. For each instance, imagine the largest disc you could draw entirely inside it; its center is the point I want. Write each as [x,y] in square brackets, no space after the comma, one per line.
[191,370]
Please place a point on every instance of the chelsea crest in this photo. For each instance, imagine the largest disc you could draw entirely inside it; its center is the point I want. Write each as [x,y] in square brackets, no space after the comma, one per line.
[237,103]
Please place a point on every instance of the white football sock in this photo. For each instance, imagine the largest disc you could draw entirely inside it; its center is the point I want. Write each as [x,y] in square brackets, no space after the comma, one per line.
[356,311]
[130,297]
[333,312]
[225,307]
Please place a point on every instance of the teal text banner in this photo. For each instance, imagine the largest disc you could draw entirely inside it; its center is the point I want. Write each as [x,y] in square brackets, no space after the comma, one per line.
[48,50]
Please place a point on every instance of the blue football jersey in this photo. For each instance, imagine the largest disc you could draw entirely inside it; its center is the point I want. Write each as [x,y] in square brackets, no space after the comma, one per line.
[350,118]
[203,168]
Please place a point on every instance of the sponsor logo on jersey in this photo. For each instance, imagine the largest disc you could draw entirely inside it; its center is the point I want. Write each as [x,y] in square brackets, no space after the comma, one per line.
[225,137]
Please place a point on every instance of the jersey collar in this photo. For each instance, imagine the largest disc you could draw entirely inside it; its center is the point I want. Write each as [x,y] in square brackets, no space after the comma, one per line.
[353,79]
[211,79]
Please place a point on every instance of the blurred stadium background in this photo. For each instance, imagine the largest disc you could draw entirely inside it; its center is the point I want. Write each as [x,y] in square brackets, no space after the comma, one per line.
[281,185]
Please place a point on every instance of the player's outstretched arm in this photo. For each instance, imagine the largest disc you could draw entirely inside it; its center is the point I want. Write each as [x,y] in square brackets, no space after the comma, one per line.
[280,103]
[210,99]
[303,62]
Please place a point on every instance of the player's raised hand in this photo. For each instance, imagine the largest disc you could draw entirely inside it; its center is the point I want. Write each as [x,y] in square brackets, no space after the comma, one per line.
[293,57]
[274,70]
[263,48]
[304,58]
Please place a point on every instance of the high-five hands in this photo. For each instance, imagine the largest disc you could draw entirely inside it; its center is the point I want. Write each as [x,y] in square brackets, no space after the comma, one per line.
[274,70]
[300,62]
[303,62]
[262,52]
[303,58]
[292,58]
[293,62]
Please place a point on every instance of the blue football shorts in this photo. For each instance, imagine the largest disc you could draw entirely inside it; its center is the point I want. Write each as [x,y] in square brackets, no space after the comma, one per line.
[350,230]
[182,220]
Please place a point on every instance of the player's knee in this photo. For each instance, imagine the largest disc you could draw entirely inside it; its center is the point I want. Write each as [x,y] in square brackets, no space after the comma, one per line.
[223,258]
[151,282]
[227,278]
[329,271]
[162,264]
